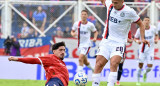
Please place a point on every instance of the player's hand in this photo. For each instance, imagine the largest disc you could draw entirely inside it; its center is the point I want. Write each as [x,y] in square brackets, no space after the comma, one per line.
[155,41]
[146,42]
[11,58]
[94,40]
[138,41]
[75,34]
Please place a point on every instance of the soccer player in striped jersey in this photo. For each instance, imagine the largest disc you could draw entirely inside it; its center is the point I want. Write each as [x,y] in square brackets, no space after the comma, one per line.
[145,52]
[120,69]
[119,19]
[83,29]
[55,69]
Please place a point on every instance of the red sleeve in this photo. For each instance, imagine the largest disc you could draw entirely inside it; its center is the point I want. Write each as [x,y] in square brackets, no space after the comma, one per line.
[130,35]
[29,60]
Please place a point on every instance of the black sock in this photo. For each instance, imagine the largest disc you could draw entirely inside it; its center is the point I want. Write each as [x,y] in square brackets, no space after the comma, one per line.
[120,70]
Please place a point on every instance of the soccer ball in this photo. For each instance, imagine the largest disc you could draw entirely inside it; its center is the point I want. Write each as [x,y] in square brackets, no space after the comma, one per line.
[80,79]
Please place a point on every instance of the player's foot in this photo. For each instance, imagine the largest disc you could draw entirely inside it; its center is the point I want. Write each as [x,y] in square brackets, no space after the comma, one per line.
[144,77]
[117,83]
[138,84]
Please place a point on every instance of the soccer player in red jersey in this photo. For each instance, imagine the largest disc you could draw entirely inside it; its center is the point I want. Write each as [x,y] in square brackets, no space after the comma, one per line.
[55,69]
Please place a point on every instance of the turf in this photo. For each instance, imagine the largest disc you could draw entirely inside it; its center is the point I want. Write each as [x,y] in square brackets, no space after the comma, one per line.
[42,83]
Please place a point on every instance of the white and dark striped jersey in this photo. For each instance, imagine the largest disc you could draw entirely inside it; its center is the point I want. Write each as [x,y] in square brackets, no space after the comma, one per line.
[149,36]
[84,33]
[119,22]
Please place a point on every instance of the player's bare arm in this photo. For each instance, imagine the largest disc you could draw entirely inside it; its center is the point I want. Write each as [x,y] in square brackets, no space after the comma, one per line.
[142,32]
[129,40]
[103,2]
[73,33]
[95,36]
[156,39]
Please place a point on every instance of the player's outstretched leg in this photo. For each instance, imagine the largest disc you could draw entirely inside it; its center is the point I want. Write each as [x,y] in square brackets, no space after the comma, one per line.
[114,62]
[100,63]
[148,69]
[120,70]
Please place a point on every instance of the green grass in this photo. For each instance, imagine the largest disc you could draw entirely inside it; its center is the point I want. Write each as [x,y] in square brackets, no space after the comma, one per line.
[42,83]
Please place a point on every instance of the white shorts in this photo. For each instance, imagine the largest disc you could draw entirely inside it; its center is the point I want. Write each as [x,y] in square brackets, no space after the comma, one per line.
[148,56]
[110,48]
[84,50]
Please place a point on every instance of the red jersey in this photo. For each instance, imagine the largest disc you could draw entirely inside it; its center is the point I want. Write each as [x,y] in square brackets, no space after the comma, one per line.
[54,67]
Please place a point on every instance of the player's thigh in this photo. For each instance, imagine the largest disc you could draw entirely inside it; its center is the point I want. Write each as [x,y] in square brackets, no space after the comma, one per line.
[54,82]
[117,52]
[84,50]
[150,58]
[100,63]
[104,50]
[142,57]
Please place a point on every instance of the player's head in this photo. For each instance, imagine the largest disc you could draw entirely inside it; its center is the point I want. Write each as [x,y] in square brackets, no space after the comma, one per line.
[117,4]
[59,49]
[146,21]
[84,15]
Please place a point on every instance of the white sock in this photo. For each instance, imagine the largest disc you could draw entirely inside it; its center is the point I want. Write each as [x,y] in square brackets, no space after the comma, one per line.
[96,79]
[89,66]
[148,70]
[80,68]
[112,78]
[138,74]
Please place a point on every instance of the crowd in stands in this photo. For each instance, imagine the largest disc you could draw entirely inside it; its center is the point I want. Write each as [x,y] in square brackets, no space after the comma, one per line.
[44,15]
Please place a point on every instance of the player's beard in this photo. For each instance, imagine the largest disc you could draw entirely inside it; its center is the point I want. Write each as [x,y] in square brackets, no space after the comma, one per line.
[62,58]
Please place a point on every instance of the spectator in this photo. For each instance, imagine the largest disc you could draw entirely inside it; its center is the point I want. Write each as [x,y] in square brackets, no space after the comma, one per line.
[39,18]
[25,30]
[15,47]
[67,32]
[7,45]
[91,19]
[31,33]
[59,32]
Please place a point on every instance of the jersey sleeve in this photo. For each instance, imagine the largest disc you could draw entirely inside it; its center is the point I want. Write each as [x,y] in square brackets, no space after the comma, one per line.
[134,16]
[155,31]
[44,60]
[108,3]
[75,26]
[29,60]
[93,28]
[137,35]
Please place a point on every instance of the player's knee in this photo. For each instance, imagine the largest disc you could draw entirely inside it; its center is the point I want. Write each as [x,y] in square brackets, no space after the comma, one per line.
[149,65]
[140,65]
[86,63]
[99,65]
[114,64]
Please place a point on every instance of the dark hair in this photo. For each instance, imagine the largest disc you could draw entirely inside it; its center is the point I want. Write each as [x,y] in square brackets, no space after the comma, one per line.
[84,11]
[57,45]
[146,17]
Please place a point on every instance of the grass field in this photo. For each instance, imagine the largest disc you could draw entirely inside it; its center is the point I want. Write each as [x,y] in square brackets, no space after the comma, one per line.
[42,83]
